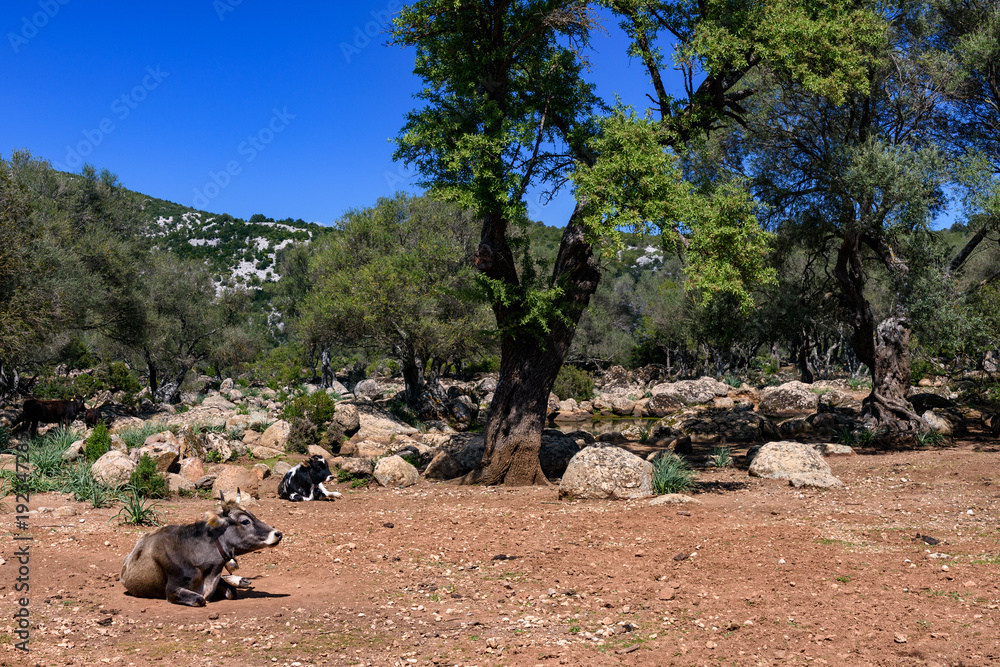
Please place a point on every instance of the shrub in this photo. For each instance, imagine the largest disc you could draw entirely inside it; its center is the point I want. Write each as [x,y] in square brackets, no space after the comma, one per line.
[573,382]
[4,439]
[301,434]
[318,408]
[722,457]
[98,443]
[672,474]
[146,481]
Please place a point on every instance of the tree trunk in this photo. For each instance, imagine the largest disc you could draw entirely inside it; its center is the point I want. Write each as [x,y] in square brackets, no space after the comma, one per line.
[887,404]
[884,349]
[154,380]
[326,380]
[413,375]
[530,359]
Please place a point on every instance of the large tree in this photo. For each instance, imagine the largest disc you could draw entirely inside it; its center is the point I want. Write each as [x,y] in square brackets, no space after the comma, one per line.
[506,108]
[396,278]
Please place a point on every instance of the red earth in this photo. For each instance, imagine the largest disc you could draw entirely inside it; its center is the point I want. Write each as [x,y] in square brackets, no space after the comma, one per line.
[753,573]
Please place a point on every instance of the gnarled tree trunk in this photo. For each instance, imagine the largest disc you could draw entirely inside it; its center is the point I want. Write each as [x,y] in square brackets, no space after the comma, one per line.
[530,360]
[884,349]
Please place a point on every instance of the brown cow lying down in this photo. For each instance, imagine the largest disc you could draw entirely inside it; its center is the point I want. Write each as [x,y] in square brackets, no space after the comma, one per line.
[184,563]
[37,411]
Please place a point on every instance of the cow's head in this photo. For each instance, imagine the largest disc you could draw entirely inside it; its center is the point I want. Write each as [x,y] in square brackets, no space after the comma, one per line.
[316,469]
[76,407]
[241,531]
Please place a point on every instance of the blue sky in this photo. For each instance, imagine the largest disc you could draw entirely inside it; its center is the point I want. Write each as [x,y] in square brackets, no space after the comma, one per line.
[229,105]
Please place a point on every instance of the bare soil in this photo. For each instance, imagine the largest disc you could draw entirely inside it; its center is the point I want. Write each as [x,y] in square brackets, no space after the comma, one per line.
[755,573]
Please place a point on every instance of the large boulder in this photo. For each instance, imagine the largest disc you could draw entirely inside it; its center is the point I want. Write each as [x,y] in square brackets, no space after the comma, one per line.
[556,452]
[938,423]
[369,388]
[164,454]
[113,468]
[217,401]
[456,456]
[177,483]
[192,468]
[394,472]
[733,425]
[605,471]
[789,397]
[790,460]
[463,412]
[622,406]
[276,435]
[357,467]
[367,449]
[664,402]
[696,392]
[376,423]
[346,416]
[229,478]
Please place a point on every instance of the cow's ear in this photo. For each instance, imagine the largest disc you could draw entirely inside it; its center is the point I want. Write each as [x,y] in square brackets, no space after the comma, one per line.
[214,519]
[305,464]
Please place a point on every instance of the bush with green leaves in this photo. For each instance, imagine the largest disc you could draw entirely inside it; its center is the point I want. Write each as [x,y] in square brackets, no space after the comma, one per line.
[98,443]
[302,433]
[573,382]
[147,481]
[672,474]
[317,407]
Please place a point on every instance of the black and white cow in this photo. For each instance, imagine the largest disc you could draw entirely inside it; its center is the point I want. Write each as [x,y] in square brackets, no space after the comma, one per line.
[185,564]
[305,481]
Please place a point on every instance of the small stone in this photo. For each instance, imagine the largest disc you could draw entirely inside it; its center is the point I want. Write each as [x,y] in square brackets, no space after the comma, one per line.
[900,638]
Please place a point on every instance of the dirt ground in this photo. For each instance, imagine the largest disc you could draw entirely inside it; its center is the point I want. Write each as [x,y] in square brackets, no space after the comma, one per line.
[754,573]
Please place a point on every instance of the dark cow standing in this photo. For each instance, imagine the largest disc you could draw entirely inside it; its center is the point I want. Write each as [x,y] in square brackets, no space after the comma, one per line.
[184,564]
[37,411]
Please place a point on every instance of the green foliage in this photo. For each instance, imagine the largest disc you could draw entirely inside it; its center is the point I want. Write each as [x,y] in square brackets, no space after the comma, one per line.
[302,433]
[281,366]
[213,456]
[573,382]
[98,443]
[146,482]
[318,407]
[722,457]
[121,378]
[919,369]
[929,438]
[136,437]
[137,510]
[4,439]
[672,474]
[81,483]
[397,278]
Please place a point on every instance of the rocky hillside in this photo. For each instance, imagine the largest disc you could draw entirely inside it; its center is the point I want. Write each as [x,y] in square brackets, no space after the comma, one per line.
[243,252]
